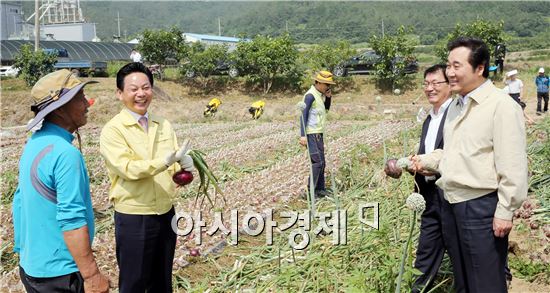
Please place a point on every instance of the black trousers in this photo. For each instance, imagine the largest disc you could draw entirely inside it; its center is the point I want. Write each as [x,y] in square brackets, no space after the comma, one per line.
[437,235]
[483,255]
[515,97]
[540,98]
[500,65]
[71,283]
[316,148]
[145,246]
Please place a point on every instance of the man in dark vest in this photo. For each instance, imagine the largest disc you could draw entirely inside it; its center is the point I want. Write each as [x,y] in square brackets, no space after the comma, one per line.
[437,230]
[500,54]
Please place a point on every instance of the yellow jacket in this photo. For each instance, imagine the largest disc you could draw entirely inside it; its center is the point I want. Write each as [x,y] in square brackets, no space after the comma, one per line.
[140,181]
[258,104]
[215,102]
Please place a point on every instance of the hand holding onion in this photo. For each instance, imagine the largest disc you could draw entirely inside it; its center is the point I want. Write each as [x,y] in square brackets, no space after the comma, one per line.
[191,160]
[392,170]
[182,177]
[394,167]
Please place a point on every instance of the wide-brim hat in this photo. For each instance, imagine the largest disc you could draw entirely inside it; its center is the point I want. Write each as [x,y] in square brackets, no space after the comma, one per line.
[52,92]
[324,76]
[512,72]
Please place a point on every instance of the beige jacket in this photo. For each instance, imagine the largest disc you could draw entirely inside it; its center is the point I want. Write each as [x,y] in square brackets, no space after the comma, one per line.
[485,150]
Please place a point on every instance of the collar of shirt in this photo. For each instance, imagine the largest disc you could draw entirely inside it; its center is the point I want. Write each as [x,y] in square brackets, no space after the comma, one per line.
[441,110]
[474,94]
[48,127]
[137,116]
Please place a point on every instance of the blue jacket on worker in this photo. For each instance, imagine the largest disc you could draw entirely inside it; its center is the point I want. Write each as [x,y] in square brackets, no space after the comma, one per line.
[543,83]
[53,196]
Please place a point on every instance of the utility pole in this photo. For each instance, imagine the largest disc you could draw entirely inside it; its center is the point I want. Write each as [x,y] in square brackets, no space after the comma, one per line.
[219,27]
[118,22]
[36,26]
[382,28]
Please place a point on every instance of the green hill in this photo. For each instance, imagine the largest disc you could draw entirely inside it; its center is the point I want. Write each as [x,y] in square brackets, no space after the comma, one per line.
[314,21]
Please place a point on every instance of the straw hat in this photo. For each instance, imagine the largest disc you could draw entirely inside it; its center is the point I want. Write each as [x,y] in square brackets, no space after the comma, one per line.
[324,77]
[52,92]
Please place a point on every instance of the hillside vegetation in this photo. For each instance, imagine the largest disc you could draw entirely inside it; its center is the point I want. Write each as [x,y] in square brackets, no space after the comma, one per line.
[313,22]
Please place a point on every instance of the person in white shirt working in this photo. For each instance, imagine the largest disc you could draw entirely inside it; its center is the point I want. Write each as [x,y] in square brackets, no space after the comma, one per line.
[515,86]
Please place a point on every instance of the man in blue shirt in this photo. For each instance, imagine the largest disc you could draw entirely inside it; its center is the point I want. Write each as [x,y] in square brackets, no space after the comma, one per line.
[543,83]
[52,209]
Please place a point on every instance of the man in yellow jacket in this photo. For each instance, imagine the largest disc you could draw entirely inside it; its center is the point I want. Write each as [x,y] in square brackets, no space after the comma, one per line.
[140,150]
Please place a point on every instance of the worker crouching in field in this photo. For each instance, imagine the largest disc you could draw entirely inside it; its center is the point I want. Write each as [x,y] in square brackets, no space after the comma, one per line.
[256,109]
[312,126]
[212,107]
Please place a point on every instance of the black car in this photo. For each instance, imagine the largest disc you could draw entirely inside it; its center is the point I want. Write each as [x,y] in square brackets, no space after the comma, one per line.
[365,64]
[222,68]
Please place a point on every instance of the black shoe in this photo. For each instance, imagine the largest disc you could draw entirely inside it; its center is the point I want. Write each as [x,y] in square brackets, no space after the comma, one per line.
[322,193]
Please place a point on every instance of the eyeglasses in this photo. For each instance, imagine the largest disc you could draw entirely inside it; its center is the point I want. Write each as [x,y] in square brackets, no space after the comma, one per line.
[434,84]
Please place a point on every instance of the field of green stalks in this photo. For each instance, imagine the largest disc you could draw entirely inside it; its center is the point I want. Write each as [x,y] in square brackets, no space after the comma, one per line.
[261,166]
[262,169]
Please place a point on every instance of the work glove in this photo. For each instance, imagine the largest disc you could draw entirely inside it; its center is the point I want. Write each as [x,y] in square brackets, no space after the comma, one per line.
[175,156]
[185,161]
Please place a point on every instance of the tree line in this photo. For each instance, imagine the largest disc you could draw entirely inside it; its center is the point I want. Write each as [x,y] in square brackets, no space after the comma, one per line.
[315,22]
[266,60]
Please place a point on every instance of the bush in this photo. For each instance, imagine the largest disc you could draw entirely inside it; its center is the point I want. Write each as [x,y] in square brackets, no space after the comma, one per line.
[114,66]
[490,32]
[34,65]
[327,55]
[264,59]
[202,62]
[158,46]
[394,51]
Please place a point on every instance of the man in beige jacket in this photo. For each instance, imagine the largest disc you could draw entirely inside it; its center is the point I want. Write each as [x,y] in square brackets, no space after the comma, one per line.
[483,165]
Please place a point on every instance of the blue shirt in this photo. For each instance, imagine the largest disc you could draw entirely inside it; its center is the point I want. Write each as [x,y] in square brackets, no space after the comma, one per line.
[542,82]
[39,219]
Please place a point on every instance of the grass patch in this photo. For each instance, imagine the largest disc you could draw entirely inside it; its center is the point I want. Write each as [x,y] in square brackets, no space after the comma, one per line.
[9,179]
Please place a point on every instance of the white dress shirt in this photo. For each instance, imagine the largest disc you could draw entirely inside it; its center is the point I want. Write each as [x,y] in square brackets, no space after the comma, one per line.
[138,116]
[436,118]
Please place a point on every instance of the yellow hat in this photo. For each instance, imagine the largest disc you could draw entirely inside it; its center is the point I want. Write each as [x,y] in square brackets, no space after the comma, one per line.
[52,92]
[324,77]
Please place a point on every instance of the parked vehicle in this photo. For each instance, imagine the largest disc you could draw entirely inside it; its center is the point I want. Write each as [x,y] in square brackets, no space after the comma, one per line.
[222,68]
[78,67]
[8,71]
[365,64]
[157,71]
[83,67]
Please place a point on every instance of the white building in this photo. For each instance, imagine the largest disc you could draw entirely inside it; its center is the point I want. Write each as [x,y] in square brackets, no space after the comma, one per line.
[212,40]
[11,19]
[82,32]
